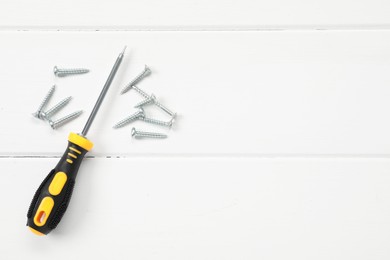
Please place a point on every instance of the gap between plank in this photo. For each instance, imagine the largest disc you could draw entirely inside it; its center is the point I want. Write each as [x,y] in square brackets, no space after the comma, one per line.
[196,156]
[227,28]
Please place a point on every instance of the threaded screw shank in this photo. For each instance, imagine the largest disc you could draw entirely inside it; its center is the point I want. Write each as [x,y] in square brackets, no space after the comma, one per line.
[45,101]
[143,74]
[157,122]
[49,113]
[129,119]
[147,101]
[65,72]
[140,134]
[57,123]
[158,104]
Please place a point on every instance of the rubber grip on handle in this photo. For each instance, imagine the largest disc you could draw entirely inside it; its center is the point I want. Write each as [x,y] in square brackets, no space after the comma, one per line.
[52,198]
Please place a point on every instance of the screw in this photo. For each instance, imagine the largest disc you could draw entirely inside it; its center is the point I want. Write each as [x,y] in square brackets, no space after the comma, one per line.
[139,134]
[129,119]
[166,110]
[47,114]
[143,74]
[158,122]
[146,101]
[140,91]
[158,104]
[44,101]
[65,72]
[59,122]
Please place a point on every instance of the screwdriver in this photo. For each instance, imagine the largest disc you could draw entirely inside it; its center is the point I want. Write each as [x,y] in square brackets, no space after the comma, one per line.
[53,195]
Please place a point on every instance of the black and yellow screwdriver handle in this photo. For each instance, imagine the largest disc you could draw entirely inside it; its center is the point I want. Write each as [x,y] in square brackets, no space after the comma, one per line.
[53,196]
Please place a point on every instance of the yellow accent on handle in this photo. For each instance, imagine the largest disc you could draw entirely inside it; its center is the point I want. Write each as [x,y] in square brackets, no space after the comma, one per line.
[57,184]
[43,211]
[69,161]
[72,155]
[75,150]
[80,141]
[36,232]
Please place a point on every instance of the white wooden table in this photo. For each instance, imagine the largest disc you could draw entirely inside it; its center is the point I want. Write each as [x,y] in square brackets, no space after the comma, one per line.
[282,144]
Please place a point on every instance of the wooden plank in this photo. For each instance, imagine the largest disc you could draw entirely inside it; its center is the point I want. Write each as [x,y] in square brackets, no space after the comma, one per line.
[242,93]
[226,208]
[193,14]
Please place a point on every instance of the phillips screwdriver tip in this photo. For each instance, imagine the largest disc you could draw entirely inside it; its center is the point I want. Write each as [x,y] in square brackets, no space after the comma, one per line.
[123,52]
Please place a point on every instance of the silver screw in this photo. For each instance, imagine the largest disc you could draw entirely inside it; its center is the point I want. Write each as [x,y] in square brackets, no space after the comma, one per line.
[65,72]
[129,119]
[146,101]
[139,134]
[166,110]
[143,74]
[140,91]
[158,122]
[158,104]
[47,114]
[44,102]
[59,122]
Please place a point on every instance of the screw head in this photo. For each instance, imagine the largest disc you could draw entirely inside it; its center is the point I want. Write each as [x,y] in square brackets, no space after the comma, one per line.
[174,117]
[51,123]
[170,122]
[42,115]
[153,98]
[141,113]
[133,132]
[55,70]
[36,114]
[147,71]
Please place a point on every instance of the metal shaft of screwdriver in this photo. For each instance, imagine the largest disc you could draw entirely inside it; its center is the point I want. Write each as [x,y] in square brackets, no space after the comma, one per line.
[103,93]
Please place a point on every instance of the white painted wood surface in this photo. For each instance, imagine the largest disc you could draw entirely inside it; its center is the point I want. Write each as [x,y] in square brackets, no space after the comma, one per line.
[194,14]
[281,149]
[244,93]
[224,208]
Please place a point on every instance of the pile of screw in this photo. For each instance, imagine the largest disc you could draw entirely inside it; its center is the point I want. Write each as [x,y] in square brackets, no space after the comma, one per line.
[48,114]
[140,113]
